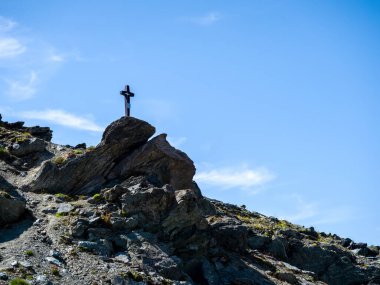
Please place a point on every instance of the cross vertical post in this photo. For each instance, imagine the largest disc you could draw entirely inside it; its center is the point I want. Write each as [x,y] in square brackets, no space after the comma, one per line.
[127,99]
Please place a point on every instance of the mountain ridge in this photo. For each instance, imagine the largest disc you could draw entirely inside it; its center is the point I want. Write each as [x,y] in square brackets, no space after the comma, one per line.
[128,212]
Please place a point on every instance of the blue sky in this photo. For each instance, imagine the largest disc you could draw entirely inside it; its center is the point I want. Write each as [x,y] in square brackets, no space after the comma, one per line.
[277,102]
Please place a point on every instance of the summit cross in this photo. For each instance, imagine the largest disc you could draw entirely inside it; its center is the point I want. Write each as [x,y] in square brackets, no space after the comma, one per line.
[127,99]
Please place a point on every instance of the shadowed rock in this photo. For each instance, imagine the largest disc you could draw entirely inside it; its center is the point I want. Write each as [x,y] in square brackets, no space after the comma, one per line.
[159,161]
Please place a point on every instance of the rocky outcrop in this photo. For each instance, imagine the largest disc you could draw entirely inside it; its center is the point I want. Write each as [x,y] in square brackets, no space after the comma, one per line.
[27,146]
[43,133]
[88,173]
[123,152]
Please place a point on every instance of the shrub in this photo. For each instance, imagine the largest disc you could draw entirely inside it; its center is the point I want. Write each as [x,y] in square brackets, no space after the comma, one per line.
[97,197]
[60,215]
[29,252]
[78,151]
[59,160]
[55,271]
[64,197]
[19,281]
[3,150]
[90,148]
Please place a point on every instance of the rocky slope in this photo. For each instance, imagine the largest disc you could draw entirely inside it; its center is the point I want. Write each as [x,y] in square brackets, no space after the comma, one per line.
[128,212]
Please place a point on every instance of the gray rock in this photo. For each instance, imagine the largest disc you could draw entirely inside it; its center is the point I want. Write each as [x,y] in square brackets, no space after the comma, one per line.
[120,223]
[258,241]
[28,146]
[3,276]
[41,279]
[79,229]
[26,264]
[229,233]
[278,248]
[122,257]
[11,210]
[65,208]
[53,260]
[102,247]
[56,254]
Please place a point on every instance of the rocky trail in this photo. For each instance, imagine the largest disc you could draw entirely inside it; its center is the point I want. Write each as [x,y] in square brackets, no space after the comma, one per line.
[128,212]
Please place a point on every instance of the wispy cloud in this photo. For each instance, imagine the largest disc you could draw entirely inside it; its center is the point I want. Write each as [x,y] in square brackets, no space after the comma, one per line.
[205,20]
[10,47]
[6,24]
[23,89]
[23,57]
[56,58]
[177,141]
[63,118]
[240,177]
[311,212]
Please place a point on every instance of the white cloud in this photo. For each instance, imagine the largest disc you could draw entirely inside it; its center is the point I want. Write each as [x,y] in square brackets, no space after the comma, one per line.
[177,142]
[205,20]
[315,214]
[240,177]
[24,89]
[6,24]
[10,47]
[63,118]
[56,58]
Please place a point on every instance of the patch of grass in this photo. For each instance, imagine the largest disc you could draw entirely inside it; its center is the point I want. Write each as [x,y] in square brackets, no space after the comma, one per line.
[19,281]
[3,150]
[60,215]
[59,160]
[90,148]
[282,224]
[78,151]
[64,197]
[29,252]
[97,197]
[54,270]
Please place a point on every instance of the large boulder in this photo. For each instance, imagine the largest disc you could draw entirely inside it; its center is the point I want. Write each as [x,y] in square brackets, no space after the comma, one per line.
[160,162]
[10,209]
[28,146]
[88,173]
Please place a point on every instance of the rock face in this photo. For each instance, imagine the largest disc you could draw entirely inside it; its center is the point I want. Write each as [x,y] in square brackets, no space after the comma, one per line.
[128,212]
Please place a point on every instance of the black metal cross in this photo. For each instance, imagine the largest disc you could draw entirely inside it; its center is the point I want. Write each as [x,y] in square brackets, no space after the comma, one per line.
[127,99]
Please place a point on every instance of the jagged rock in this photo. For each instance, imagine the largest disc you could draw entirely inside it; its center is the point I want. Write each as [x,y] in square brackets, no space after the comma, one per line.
[88,173]
[28,146]
[43,133]
[80,146]
[160,162]
[188,212]
[258,241]
[151,204]
[225,228]
[10,210]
